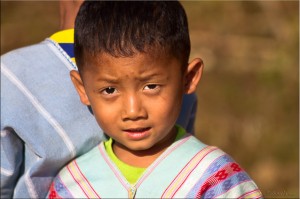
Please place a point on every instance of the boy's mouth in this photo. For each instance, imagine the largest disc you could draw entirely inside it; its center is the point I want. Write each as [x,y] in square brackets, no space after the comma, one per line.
[137,130]
[137,133]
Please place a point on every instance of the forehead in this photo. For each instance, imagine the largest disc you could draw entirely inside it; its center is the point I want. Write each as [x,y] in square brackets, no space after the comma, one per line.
[140,61]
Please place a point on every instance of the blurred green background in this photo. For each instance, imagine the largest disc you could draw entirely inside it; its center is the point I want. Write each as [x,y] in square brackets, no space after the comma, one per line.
[249,94]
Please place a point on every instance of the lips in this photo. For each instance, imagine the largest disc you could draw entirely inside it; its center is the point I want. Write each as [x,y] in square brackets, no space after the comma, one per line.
[137,133]
[137,130]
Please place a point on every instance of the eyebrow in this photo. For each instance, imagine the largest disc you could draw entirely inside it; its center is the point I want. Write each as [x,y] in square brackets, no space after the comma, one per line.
[142,78]
[148,76]
[108,79]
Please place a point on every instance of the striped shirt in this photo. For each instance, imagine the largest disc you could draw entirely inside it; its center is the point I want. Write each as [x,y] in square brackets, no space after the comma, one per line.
[203,172]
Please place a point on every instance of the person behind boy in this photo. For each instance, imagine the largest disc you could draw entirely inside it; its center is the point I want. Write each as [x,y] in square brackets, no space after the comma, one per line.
[133,71]
[41,132]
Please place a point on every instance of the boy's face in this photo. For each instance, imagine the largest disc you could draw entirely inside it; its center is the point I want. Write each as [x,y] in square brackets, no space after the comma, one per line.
[135,100]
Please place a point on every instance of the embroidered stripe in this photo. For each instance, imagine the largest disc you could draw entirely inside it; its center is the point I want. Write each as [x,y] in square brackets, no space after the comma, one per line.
[216,160]
[185,172]
[221,175]
[58,128]
[236,191]
[191,186]
[81,180]
[224,186]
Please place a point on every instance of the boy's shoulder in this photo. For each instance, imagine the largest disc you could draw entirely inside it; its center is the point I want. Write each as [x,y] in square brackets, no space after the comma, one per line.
[195,145]
[203,152]
[212,158]
[212,173]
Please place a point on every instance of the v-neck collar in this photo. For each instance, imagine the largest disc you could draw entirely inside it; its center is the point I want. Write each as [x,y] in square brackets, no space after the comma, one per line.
[133,188]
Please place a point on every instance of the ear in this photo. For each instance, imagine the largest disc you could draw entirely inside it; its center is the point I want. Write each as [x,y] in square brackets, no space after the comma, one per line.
[193,75]
[77,81]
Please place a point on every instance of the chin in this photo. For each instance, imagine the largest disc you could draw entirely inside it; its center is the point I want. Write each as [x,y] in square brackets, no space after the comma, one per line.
[140,147]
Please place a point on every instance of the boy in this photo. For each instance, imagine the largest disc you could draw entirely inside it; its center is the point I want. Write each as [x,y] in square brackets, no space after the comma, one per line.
[133,71]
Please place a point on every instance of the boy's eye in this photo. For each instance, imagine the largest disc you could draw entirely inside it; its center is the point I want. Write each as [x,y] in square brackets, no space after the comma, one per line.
[151,87]
[109,90]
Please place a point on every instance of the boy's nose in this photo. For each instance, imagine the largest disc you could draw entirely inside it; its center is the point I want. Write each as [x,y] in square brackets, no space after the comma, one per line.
[133,108]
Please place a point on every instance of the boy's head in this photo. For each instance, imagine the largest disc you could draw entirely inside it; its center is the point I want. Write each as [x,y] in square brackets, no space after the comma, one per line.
[121,29]
[133,64]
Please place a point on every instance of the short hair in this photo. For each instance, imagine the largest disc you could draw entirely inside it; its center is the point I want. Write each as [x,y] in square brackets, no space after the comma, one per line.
[123,28]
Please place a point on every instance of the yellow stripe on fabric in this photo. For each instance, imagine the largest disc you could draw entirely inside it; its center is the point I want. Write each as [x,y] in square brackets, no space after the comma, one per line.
[82,181]
[64,36]
[67,179]
[78,178]
[73,60]
[255,194]
[171,190]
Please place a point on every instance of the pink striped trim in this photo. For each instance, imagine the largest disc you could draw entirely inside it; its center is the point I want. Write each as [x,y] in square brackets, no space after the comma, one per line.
[76,180]
[213,180]
[115,171]
[185,172]
[81,180]
[149,170]
[86,180]
[161,158]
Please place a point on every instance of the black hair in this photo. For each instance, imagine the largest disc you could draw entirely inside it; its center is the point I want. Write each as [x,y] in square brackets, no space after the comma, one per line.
[123,28]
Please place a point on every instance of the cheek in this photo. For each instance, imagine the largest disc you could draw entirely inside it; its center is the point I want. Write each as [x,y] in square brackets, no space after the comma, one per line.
[104,114]
[167,108]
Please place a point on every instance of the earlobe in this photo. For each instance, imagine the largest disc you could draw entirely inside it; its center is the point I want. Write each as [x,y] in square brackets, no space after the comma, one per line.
[193,75]
[78,84]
